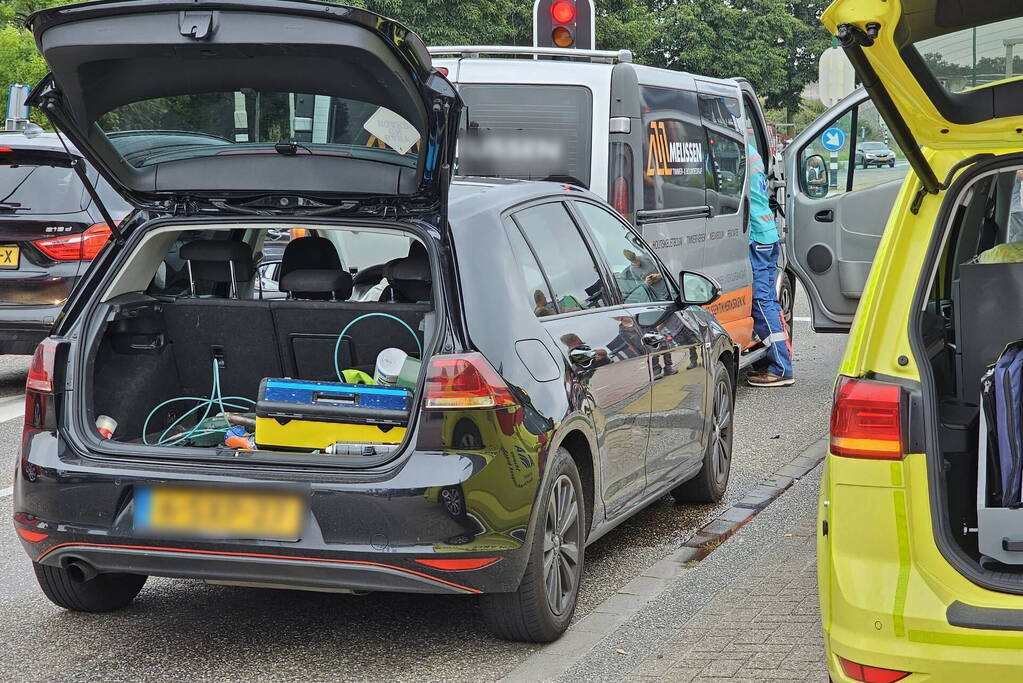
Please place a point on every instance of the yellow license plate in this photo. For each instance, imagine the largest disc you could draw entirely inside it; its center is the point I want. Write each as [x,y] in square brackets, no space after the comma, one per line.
[9,257]
[213,513]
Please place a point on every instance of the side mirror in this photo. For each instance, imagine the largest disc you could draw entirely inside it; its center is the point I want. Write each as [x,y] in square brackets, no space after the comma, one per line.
[815,171]
[697,289]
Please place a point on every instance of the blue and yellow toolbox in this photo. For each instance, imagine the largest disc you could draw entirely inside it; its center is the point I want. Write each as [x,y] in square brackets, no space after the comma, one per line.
[307,415]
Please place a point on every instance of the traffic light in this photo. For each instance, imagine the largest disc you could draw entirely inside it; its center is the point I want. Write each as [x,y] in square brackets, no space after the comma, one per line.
[563,23]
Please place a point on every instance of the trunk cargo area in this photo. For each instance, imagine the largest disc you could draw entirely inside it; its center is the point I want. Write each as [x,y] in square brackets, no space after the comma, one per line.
[964,329]
[280,371]
[156,351]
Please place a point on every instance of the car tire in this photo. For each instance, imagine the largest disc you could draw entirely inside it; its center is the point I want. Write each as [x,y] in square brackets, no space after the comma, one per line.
[787,299]
[710,484]
[541,609]
[891,164]
[103,593]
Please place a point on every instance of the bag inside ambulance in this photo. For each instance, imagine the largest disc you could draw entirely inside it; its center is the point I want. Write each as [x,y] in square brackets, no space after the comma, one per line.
[201,346]
[971,329]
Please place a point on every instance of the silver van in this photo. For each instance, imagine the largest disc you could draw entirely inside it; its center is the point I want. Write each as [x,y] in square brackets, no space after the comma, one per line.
[667,149]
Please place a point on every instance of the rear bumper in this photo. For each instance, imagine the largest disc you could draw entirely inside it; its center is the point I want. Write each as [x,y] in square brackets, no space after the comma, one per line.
[888,597]
[361,531]
[257,568]
[23,327]
[21,339]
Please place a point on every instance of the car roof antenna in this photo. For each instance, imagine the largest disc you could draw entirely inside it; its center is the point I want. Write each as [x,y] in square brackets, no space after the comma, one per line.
[78,166]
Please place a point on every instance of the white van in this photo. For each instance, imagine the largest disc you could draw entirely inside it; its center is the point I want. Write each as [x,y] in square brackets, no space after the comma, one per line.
[666,148]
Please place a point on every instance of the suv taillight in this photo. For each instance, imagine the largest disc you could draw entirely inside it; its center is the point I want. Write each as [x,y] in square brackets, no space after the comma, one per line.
[40,386]
[82,247]
[464,382]
[866,420]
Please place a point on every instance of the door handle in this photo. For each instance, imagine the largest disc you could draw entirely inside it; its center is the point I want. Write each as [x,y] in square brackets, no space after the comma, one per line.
[652,339]
[583,356]
[825,216]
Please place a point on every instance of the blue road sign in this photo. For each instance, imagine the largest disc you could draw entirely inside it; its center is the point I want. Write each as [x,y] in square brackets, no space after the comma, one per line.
[833,139]
[16,96]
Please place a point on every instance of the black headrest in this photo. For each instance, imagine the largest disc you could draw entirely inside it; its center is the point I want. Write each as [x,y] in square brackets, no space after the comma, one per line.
[317,284]
[211,259]
[410,278]
[310,253]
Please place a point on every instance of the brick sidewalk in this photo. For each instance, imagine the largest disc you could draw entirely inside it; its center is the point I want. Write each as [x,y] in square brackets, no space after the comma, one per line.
[763,626]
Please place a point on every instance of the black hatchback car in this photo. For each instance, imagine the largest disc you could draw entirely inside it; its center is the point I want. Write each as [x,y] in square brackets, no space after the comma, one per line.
[50,230]
[556,378]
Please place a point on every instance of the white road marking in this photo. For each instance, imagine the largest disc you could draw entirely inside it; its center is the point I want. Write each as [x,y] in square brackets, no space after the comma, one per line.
[11,408]
[801,319]
[6,492]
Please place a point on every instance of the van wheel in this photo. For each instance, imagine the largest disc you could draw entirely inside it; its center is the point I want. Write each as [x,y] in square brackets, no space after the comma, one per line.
[787,299]
[709,485]
[67,588]
[542,607]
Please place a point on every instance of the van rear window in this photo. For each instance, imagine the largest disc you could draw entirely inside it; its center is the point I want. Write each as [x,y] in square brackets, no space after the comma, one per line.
[529,132]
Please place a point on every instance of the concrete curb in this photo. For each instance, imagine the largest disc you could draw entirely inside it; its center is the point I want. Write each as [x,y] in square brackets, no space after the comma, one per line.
[555,659]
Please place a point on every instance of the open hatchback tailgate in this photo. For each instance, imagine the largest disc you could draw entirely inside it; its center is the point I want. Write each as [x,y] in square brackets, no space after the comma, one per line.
[922,53]
[232,99]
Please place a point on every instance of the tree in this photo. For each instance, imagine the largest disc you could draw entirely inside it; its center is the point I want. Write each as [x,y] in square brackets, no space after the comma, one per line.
[748,38]
[809,40]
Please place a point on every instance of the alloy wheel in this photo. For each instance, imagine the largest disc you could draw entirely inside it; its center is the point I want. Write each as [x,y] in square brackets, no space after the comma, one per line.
[721,439]
[561,545]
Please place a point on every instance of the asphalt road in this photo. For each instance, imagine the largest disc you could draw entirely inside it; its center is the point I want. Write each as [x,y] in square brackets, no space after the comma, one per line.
[186,629]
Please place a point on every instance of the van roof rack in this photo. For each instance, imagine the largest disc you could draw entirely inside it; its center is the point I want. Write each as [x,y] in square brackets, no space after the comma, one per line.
[473,51]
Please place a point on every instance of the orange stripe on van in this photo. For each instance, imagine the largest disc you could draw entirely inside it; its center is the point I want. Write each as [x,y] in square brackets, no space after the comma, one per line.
[734,310]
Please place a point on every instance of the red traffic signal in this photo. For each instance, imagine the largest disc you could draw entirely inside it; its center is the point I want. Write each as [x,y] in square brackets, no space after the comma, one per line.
[563,12]
[563,23]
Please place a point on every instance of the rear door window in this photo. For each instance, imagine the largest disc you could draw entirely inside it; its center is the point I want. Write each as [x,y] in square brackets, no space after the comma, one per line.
[674,150]
[575,281]
[537,289]
[529,132]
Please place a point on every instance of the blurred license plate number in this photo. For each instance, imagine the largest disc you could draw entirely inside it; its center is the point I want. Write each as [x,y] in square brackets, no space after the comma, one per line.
[211,513]
[9,257]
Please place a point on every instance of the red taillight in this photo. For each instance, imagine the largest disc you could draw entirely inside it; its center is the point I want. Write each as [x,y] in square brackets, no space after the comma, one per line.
[620,195]
[82,247]
[6,150]
[443,70]
[40,370]
[620,190]
[32,536]
[40,387]
[563,12]
[464,382]
[866,420]
[870,674]
[461,564]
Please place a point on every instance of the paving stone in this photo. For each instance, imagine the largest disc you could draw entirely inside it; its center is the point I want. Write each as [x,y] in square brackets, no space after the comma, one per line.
[764,625]
[723,667]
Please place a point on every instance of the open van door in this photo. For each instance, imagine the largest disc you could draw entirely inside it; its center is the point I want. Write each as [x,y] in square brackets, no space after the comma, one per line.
[842,175]
[763,139]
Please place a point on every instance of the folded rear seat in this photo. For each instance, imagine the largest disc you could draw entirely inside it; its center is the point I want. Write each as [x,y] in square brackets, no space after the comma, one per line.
[308,330]
[239,333]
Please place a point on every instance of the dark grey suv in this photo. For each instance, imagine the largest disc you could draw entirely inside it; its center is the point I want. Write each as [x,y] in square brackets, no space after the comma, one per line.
[50,230]
[558,378]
